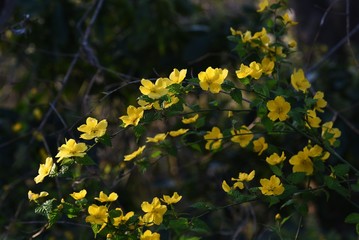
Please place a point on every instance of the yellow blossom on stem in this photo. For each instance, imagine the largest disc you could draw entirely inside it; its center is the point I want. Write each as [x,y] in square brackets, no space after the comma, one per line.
[148,235]
[267,66]
[171,200]
[44,170]
[330,133]
[190,120]
[97,214]
[278,109]
[154,211]
[212,79]
[166,103]
[79,195]
[213,138]
[275,159]
[104,198]
[156,90]
[158,138]
[145,105]
[34,196]
[287,20]
[71,149]
[136,153]
[93,128]
[312,120]
[244,71]
[122,219]
[245,177]
[262,5]
[259,145]
[133,116]
[321,103]
[177,76]
[225,186]
[299,81]
[243,136]
[256,70]
[272,186]
[178,132]
[302,163]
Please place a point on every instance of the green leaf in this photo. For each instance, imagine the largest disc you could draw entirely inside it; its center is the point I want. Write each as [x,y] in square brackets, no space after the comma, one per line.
[105,140]
[200,122]
[202,206]
[341,170]
[267,123]
[85,160]
[179,224]
[297,177]
[175,88]
[245,81]
[199,226]
[333,184]
[236,95]
[227,85]
[352,218]
[139,130]
[276,170]
[189,238]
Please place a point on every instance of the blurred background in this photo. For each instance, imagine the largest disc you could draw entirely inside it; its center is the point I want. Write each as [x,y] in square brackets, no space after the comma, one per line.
[64,60]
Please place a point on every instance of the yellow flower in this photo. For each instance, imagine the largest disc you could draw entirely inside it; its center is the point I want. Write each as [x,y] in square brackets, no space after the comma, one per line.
[145,105]
[212,79]
[122,219]
[302,163]
[246,37]
[148,235]
[104,198]
[154,211]
[312,119]
[214,139]
[166,103]
[190,120]
[278,109]
[292,43]
[299,81]
[34,196]
[272,186]
[171,200]
[287,20]
[262,5]
[179,132]
[243,136]
[321,103]
[133,116]
[154,91]
[254,70]
[71,149]
[330,133]
[245,177]
[44,170]
[136,153]
[98,214]
[158,138]
[259,145]
[267,66]
[275,159]
[93,128]
[79,195]
[225,186]
[177,76]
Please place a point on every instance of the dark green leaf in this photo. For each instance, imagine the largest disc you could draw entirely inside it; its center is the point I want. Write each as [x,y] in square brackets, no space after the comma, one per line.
[199,226]
[352,218]
[276,170]
[236,95]
[333,184]
[341,170]
[203,206]
[139,130]
[85,160]
[105,140]
[179,224]
[297,177]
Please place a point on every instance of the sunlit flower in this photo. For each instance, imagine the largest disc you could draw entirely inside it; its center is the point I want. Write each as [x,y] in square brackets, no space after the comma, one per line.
[98,214]
[212,79]
[145,105]
[329,133]
[179,132]
[287,20]
[243,136]
[148,235]
[44,170]
[213,138]
[312,119]
[177,76]
[272,186]
[302,163]
[259,145]
[122,219]
[133,116]
[299,81]
[262,5]
[93,128]
[104,198]
[321,103]
[267,66]
[244,71]
[71,149]
[34,196]
[275,159]
[154,211]
[190,120]
[156,90]
[254,70]
[171,200]
[79,195]
[278,109]
[158,138]
[166,103]
[136,153]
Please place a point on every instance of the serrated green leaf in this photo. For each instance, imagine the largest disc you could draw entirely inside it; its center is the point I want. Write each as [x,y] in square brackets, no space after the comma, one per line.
[227,85]
[139,130]
[236,95]
[175,88]
[352,218]
[341,170]
[105,140]
[85,160]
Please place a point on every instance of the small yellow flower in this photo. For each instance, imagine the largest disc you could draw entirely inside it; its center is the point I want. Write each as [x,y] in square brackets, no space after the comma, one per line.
[154,211]
[278,109]
[179,132]
[166,104]
[177,76]
[104,198]
[292,43]
[44,170]
[122,219]
[299,81]
[275,159]
[71,149]
[327,128]
[302,163]
[278,217]
[17,127]
[254,70]
[267,66]
[190,120]
[148,235]
[213,138]
[154,91]
[243,136]
[158,138]
[245,177]
[225,186]
[272,186]
[79,195]
[321,103]
[287,20]
[34,196]
[133,116]
[259,145]
[136,153]
[145,105]
[98,214]
[262,5]
[93,128]
[312,119]
[212,79]
[171,200]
